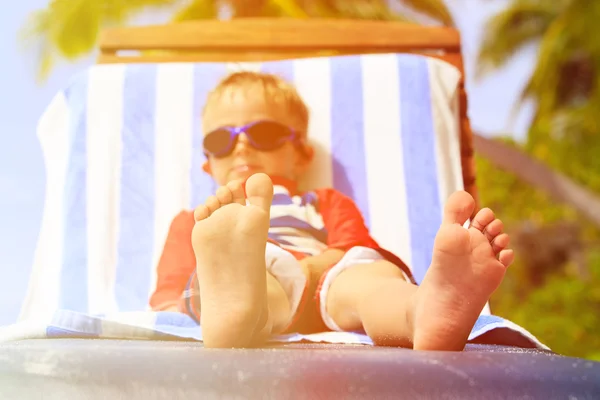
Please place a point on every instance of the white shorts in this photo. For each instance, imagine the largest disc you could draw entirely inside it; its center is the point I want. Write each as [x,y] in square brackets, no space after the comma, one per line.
[287,270]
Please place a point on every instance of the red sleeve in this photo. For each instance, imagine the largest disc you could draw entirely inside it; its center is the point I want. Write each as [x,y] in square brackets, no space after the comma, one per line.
[177,262]
[343,220]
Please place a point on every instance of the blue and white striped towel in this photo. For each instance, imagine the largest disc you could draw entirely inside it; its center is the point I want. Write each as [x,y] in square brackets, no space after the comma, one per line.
[122,146]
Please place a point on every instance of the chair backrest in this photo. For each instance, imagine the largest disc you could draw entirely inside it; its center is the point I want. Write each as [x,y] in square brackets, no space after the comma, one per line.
[122,145]
[263,39]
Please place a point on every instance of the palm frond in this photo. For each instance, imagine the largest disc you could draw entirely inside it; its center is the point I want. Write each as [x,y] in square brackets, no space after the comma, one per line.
[197,9]
[289,8]
[355,9]
[60,32]
[435,9]
[523,22]
[320,8]
[367,9]
[69,28]
[553,51]
[565,82]
[246,8]
[118,11]
[75,26]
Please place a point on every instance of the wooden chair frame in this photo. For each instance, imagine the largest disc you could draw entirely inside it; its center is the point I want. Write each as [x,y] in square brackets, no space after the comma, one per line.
[263,39]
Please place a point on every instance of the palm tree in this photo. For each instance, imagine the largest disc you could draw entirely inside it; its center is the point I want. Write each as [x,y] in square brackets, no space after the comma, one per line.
[565,88]
[565,83]
[69,29]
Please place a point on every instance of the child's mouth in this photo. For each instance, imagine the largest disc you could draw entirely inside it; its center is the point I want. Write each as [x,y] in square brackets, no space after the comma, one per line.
[244,168]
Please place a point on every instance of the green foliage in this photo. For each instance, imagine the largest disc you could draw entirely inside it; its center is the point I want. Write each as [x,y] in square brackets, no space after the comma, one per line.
[514,200]
[565,88]
[69,28]
[198,9]
[432,8]
[570,309]
[576,154]
[565,85]
[563,312]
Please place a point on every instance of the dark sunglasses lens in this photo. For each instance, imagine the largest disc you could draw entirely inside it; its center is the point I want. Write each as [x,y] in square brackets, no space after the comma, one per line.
[217,142]
[268,135]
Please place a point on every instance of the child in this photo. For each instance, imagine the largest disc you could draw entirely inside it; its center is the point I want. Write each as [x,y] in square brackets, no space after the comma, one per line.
[258,248]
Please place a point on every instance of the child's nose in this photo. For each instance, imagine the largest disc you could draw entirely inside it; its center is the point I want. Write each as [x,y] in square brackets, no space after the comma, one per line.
[242,143]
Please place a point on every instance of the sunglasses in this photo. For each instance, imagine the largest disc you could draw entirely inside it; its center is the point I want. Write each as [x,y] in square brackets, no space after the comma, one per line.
[262,135]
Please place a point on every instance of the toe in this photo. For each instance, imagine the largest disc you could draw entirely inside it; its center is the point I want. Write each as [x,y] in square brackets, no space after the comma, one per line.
[224,195]
[259,191]
[213,204]
[500,243]
[201,212]
[459,207]
[237,191]
[451,241]
[506,257]
[494,229]
[483,218]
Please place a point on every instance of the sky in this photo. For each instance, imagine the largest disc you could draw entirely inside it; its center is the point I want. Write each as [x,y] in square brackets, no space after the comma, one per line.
[23,100]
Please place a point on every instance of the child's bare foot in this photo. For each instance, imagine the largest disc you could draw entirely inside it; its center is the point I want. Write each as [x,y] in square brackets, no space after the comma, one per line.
[229,241]
[467,267]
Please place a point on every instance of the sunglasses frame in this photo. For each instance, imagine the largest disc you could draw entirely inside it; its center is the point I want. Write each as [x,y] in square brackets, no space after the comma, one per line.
[236,131]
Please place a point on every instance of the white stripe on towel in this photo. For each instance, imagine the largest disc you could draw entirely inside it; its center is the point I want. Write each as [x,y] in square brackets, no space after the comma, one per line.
[103,142]
[383,153]
[312,78]
[173,149]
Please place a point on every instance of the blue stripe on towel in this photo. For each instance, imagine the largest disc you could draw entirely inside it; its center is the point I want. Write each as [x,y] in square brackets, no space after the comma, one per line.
[56,332]
[347,131]
[137,200]
[418,142]
[206,77]
[73,276]
[173,321]
[67,323]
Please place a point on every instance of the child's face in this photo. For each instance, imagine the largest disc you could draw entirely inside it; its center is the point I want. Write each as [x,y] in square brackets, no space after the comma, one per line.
[236,109]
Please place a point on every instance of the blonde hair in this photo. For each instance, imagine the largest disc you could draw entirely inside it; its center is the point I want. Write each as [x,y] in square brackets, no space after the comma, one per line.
[275,89]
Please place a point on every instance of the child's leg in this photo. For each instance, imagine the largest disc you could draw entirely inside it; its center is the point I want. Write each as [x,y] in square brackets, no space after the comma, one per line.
[467,267]
[278,305]
[241,303]
[377,298]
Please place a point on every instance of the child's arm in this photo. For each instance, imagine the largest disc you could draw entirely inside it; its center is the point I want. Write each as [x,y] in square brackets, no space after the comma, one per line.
[177,262]
[346,228]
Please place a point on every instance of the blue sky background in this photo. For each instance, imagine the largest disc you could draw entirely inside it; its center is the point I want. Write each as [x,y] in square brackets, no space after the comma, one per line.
[23,99]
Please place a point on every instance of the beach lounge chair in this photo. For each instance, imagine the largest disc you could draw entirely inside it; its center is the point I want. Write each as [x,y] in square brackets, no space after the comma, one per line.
[122,149]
